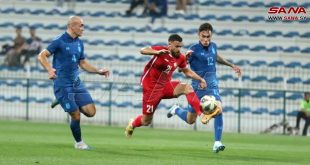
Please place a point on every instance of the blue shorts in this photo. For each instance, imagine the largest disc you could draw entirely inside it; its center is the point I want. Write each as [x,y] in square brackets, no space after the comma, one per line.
[212,92]
[202,92]
[72,98]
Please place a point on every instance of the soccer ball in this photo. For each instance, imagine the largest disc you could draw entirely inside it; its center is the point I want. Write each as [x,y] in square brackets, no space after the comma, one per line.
[208,103]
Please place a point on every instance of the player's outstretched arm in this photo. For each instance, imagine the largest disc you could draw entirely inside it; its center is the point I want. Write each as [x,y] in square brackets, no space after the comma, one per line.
[188,54]
[189,73]
[150,51]
[91,69]
[42,57]
[221,60]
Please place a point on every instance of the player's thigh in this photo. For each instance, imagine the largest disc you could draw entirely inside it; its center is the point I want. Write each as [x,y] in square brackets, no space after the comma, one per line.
[182,89]
[150,102]
[88,110]
[63,95]
[173,89]
[84,100]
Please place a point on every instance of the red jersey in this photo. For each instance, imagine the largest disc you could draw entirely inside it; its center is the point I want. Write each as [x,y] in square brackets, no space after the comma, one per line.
[159,69]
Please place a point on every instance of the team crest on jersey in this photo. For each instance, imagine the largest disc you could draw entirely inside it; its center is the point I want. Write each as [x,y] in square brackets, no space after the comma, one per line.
[67,48]
[79,49]
[68,106]
[202,53]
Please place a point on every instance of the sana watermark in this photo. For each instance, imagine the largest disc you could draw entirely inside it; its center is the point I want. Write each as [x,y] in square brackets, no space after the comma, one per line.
[287,14]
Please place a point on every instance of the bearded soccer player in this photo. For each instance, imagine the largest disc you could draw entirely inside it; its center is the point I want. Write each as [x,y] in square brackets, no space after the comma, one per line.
[70,92]
[157,84]
[203,60]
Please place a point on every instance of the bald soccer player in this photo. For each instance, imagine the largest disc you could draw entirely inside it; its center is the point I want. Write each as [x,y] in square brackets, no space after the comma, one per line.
[68,55]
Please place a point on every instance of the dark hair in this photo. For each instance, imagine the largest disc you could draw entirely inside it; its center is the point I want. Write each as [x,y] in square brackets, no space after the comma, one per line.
[175,37]
[205,26]
[18,27]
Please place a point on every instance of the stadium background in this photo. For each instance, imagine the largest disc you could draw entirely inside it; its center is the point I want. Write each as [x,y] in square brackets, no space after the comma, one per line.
[274,57]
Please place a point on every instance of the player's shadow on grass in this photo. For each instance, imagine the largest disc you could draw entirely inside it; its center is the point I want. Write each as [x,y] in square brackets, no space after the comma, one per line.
[127,152]
[250,158]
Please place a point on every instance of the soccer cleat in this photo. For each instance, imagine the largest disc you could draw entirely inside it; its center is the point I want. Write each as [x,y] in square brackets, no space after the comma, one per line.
[129,129]
[218,146]
[54,104]
[81,146]
[296,131]
[207,117]
[171,111]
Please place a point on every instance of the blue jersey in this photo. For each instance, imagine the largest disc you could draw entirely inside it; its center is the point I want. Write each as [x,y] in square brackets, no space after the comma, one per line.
[203,62]
[68,53]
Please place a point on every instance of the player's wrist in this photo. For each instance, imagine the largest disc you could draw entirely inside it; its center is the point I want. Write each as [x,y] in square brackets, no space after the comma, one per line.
[50,69]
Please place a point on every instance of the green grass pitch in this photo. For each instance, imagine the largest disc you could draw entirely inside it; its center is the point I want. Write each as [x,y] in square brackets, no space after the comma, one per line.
[45,143]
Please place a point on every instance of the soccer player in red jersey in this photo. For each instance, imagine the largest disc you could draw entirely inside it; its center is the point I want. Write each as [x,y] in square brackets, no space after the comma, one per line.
[157,84]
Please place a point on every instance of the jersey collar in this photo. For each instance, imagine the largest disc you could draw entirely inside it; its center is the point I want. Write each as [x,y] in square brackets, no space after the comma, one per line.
[205,47]
[69,38]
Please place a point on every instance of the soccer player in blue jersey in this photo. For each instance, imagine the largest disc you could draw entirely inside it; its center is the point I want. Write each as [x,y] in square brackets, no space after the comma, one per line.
[203,61]
[70,92]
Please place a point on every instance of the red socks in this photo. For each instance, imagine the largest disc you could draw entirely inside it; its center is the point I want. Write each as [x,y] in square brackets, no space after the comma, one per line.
[137,122]
[193,100]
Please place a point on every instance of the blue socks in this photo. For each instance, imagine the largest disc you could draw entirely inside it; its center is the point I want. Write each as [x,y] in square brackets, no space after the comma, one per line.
[181,113]
[218,127]
[218,121]
[76,130]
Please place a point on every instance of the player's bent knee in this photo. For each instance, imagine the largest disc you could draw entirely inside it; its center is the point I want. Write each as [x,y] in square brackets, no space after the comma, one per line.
[191,118]
[89,110]
[91,113]
[75,115]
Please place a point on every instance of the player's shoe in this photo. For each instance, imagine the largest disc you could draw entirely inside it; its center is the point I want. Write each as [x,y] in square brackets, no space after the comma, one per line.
[129,129]
[296,131]
[207,117]
[171,111]
[218,146]
[81,146]
[54,104]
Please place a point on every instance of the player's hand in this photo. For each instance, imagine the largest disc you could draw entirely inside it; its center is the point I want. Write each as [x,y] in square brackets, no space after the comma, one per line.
[202,84]
[188,54]
[237,70]
[163,51]
[104,72]
[52,74]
